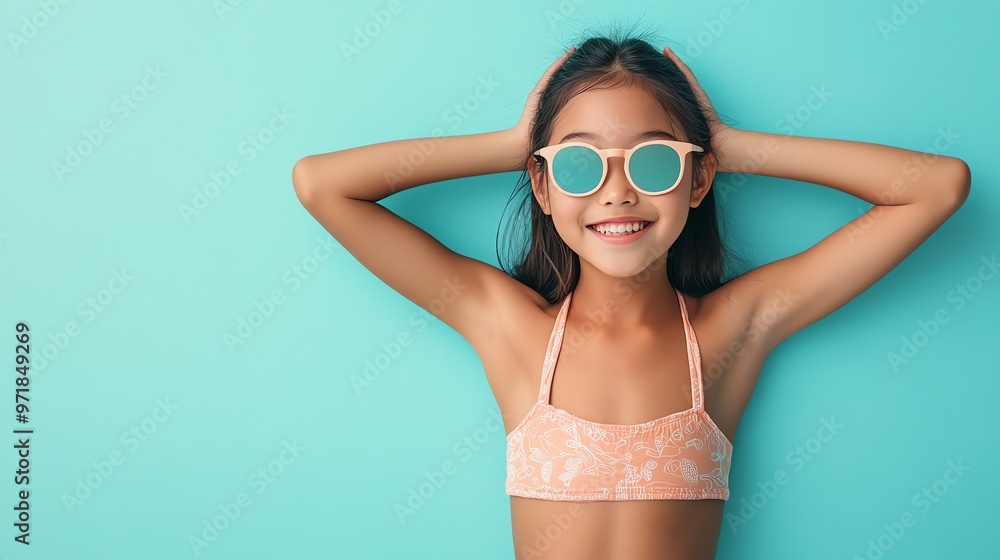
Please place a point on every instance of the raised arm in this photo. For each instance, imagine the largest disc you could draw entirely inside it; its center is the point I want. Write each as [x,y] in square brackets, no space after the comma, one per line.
[342,189]
[909,207]
[913,193]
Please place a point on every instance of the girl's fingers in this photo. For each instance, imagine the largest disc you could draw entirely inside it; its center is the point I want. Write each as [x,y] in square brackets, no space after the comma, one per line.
[544,80]
[695,87]
[531,105]
[683,67]
[558,62]
[670,54]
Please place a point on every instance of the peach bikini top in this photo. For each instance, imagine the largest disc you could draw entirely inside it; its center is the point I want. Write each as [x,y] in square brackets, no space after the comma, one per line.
[554,455]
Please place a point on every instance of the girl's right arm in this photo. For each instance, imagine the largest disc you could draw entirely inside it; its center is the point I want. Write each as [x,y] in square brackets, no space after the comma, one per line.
[341,190]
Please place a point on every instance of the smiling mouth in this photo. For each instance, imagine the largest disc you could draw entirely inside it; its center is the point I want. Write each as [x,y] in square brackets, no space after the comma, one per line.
[619,230]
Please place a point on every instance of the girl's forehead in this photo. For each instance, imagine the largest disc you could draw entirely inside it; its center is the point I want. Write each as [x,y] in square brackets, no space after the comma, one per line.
[615,131]
[611,116]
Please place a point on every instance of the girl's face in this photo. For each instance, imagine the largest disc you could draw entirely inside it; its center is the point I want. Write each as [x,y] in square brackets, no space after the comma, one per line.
[619,118]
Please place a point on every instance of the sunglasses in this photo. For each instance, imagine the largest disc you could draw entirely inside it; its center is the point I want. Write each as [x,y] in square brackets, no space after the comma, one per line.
[653,168]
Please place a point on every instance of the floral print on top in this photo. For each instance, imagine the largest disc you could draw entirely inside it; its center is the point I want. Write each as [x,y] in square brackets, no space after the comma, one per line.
[554,455]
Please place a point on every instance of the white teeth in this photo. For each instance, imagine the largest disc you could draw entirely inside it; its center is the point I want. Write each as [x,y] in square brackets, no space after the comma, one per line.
[619,229]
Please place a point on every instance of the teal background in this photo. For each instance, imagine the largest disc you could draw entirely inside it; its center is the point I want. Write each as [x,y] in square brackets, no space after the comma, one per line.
[193,277]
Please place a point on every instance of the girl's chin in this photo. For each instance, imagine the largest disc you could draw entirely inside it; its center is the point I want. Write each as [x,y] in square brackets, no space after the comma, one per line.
[621,268]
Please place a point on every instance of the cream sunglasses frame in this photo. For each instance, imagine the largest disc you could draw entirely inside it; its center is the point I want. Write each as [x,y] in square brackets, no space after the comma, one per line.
[682,149]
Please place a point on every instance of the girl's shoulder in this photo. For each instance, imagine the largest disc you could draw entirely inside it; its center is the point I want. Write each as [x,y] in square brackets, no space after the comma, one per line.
[512,354]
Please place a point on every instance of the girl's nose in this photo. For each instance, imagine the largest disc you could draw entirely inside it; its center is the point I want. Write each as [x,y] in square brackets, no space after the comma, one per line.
[616,187]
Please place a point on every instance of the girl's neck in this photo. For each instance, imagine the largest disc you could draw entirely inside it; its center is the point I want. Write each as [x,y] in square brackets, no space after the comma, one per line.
[644,301]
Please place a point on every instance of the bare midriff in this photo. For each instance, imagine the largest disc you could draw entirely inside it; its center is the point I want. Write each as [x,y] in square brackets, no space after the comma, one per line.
[635,529]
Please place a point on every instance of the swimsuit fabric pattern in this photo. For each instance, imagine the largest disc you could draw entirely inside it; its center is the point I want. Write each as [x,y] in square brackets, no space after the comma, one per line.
[554,455]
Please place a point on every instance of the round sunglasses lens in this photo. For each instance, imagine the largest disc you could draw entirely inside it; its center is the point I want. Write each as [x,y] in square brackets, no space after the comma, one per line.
[655,168]
[577,169]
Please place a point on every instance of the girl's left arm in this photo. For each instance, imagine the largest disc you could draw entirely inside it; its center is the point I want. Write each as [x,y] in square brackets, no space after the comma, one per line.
[913,193]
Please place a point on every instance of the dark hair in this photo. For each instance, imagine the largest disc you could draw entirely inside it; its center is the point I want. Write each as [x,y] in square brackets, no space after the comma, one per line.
[695,264]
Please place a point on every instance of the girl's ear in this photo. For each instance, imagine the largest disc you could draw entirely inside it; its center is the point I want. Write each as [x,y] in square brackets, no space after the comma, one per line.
[703,176]
[538,187]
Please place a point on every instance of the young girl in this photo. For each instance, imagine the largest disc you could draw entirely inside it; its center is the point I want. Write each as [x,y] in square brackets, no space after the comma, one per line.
[617,446]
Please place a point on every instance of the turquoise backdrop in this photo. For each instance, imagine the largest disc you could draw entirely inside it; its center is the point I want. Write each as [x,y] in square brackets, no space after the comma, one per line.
[197,338]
